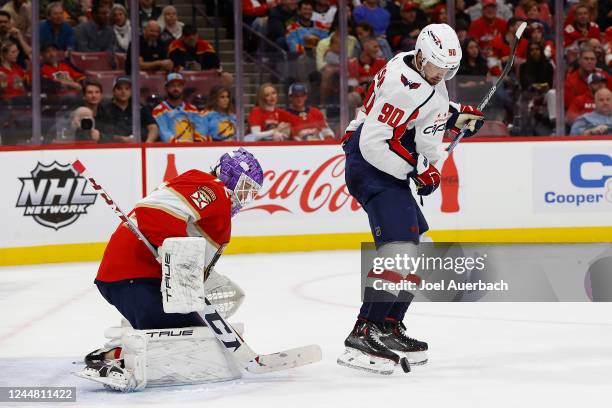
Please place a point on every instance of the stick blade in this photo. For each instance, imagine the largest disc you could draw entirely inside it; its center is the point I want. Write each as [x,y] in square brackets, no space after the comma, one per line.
[519,31]
[284,360]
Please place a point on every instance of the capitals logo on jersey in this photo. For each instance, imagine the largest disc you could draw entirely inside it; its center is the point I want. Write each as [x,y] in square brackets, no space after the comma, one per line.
[409,83]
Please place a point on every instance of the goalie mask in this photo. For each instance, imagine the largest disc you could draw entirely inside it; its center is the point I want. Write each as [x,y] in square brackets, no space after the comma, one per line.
[242,175]
[440,46]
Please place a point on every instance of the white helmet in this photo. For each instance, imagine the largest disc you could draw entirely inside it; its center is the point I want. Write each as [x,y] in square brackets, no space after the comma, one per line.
[439,45]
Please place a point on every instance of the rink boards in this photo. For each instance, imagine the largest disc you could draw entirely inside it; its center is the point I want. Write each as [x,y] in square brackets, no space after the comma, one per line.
[523,190]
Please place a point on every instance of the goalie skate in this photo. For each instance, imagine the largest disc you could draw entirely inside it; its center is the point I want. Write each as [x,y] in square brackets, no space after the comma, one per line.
[111,373]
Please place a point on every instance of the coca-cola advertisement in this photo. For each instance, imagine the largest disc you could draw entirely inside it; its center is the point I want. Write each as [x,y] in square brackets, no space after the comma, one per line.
[304,191]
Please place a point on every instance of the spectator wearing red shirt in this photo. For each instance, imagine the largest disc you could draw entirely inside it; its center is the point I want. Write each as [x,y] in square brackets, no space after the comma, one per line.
[487,27]
[500,48]
[361,70]
[307,122]
[13,78]
[576,81]
[582,28]
[585,103]
[543,15]
[59,78]
[266,120]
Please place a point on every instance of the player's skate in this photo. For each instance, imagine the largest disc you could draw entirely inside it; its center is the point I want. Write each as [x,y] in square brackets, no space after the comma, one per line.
[111,373]
[366,351]
[394,336]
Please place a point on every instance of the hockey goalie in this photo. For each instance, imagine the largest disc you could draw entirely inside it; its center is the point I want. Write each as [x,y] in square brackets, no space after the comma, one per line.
[163,340]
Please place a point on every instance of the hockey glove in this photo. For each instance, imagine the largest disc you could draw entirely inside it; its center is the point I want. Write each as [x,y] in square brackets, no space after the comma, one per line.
[425,175]
[467,116]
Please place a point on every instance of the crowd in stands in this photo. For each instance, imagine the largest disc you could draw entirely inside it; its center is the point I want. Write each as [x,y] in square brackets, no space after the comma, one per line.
[307,31]
[85,48]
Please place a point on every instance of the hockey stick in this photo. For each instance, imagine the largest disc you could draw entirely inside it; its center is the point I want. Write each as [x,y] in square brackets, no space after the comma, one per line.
[225,333]
[485,101]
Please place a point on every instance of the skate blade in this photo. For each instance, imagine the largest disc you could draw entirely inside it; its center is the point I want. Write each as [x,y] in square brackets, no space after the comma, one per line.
[358,360]
[418,358]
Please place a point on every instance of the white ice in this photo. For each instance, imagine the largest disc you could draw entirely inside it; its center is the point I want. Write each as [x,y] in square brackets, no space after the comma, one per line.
[481,354]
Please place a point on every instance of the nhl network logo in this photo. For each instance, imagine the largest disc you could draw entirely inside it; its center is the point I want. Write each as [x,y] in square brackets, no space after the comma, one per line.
[54,195]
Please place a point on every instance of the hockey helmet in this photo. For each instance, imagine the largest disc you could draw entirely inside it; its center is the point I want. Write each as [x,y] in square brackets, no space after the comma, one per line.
[439,45]
[242,175]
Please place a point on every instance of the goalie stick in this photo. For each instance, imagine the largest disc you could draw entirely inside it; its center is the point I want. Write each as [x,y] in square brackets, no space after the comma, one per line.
[485,101]
[225,333]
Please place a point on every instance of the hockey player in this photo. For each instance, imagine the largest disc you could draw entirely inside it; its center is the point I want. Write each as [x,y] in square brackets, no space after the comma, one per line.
[193,204]
[396,137]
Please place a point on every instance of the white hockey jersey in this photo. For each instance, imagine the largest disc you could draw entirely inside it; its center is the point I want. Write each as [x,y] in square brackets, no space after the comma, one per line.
[402,113]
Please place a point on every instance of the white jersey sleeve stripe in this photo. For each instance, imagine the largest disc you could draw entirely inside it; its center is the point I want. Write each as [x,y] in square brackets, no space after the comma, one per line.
[172,201]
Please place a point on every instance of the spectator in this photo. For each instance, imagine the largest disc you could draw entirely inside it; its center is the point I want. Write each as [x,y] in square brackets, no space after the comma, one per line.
[220,117]
[192,53]
[475,11]
[462,19]
[147,11]
[439,14]
[324,14]
[172,29]
[361,70]
[472,61]
[83,124]
[328,62]
[536,80]
[92,96]
[178,121]
[576,81]
[486,28]
[153,52]
[402,34]
[115,123]
[585,103]
[84,117]
[55,29]
[364,30]
[96,35]
[535,34]
[279,18]
[582,28]
[122,28]
[371,13]
[255,13]
[473,74]
[267,121]
[21,12]
[500,48]
[598,122]
[13,35]
[307,122]
[600,54]
[303,33]
[13,78]
[543,11]
[60,81]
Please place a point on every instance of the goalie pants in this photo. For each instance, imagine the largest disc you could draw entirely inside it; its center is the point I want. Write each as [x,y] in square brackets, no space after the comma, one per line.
[140,302]
[393,214]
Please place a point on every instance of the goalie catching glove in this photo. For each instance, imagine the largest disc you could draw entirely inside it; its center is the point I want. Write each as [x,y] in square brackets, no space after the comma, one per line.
[467,116]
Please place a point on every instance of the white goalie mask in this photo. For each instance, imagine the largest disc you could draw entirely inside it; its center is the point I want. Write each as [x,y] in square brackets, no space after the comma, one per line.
[440,46]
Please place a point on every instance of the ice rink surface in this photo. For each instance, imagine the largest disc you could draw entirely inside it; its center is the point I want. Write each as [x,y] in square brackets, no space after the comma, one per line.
[481,354]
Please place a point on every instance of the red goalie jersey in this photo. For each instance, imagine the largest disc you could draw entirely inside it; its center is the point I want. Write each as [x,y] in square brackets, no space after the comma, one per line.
[193,204]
